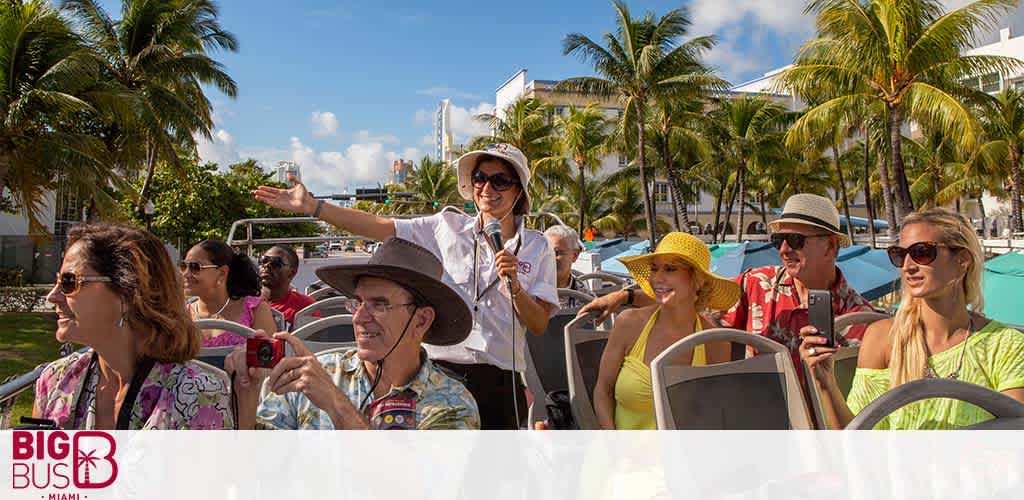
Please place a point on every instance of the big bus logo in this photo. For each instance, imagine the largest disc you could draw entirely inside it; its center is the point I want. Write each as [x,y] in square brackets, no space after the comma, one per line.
[53,459]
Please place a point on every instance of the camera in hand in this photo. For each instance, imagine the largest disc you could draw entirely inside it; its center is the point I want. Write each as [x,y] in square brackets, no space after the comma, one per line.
[263,352]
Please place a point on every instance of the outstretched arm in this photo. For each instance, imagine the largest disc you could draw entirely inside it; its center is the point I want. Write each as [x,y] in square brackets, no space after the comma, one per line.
[298,200]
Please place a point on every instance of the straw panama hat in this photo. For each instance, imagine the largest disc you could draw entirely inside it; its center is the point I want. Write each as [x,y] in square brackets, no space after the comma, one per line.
[724,292]
[506,152]
[811,210]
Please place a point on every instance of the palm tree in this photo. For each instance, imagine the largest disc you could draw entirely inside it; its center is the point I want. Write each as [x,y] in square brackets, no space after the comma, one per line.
[1003,120]
[582,136]
[158,51]
[676,143]
[642,61]
[568,203]
[625,210]
[749,128]
[49,96]
[527,126]
[906,54]
[434,183]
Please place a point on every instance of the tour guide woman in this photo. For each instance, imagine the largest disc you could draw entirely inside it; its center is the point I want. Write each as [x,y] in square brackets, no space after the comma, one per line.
[496,180]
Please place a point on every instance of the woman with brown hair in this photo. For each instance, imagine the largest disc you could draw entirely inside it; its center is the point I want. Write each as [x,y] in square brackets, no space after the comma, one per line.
[938,332]
[117,292]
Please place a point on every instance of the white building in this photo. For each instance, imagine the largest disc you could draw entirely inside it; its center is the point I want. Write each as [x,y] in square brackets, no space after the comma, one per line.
[284,168]
[443,150]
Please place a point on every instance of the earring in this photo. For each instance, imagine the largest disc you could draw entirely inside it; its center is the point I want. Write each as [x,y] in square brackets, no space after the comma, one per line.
[120,322]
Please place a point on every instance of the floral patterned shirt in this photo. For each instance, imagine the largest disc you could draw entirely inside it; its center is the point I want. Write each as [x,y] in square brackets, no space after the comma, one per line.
[173,396]
[432,400]
[769,306]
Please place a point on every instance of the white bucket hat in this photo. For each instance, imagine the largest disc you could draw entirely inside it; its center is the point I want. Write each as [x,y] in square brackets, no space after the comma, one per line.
[507,152]
[811,210]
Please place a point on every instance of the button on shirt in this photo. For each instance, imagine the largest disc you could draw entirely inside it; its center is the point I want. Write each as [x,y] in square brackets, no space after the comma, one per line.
[441,402]
[451,236]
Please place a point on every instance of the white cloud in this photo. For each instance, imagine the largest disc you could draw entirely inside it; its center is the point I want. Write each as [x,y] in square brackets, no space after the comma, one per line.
[220,149]
[366,136]
[324,123]
[464,124]
[427,140]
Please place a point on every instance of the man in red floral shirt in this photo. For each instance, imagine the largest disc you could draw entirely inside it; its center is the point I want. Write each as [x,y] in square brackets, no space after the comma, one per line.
[773,299]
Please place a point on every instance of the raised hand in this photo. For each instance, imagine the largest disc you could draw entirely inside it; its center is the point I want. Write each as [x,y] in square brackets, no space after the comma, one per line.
[294,199]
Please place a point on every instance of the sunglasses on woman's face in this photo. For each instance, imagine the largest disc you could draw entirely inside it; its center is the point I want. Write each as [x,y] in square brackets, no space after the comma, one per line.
[499,181]
[273,262]
[922,252]
[796,241]
[194,267]
[70,283]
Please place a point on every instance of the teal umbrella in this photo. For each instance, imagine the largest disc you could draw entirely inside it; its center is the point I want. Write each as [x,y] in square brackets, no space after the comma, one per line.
[1002,286]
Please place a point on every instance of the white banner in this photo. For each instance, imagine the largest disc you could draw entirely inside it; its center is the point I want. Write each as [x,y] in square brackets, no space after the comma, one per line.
[498,465]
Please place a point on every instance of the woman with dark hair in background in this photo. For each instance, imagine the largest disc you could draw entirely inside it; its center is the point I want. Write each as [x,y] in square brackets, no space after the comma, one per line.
[227,287]
[117,293]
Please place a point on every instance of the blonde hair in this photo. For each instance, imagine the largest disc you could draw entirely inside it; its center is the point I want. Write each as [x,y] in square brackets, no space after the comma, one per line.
[909,356]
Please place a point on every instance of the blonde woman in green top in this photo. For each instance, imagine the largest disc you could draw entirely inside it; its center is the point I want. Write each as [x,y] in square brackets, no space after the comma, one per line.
[935,333]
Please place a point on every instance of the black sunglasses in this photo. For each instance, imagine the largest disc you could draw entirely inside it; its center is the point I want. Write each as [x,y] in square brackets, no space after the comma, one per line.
[796,241]
[922,252]
[194,267]
[499,181]
[274,262]
[69,283]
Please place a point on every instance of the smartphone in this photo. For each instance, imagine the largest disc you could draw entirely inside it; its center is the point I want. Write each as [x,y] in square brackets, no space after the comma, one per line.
[819,312]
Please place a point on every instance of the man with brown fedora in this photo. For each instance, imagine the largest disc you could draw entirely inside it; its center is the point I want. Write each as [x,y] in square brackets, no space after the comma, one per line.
[773,302]
[397,301]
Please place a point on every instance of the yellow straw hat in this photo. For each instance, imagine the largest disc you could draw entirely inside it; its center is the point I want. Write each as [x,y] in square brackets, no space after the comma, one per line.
[723,293]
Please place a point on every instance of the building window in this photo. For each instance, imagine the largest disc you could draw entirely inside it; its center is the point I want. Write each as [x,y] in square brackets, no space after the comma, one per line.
[990,82]
[1018,85]
[661,192]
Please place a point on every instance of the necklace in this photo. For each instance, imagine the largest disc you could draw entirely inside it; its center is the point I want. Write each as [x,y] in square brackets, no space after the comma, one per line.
[216,314]
[929,372]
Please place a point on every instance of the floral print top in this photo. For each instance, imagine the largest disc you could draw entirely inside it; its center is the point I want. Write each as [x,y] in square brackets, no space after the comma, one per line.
[173,396]
[431,400]
[769,306]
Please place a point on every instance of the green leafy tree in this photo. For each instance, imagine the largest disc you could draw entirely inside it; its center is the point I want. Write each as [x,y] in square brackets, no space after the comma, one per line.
[645,59]
[435,185]
[582,134]
[1003,120]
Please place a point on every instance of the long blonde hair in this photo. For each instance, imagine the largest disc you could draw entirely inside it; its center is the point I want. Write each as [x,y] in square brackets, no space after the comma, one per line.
[909,357]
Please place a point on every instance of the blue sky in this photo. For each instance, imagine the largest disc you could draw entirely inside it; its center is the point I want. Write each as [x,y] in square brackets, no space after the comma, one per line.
[344,88]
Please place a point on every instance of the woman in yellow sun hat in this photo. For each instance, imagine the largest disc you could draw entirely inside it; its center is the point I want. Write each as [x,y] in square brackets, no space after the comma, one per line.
[676,275]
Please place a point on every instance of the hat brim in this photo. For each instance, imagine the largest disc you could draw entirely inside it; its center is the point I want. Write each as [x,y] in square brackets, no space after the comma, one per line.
[844,239]
[452,319]
[468,161]
[724,292]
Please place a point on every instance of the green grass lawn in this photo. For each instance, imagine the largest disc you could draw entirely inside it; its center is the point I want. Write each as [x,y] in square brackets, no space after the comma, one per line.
[26,340]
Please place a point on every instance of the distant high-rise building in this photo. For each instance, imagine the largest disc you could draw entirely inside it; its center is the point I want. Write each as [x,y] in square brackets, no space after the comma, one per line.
[400,171]
[284,168]
[443,131]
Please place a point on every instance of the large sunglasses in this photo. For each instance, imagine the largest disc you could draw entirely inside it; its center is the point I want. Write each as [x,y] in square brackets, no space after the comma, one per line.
[499,181]
[273,262]
[796,241]
[922,252]
[70,283]
[194,267]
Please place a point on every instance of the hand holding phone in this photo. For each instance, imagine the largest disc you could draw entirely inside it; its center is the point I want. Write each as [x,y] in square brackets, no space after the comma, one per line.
[819,312]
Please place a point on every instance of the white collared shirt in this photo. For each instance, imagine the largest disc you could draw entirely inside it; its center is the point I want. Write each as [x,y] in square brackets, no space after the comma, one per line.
[450,237]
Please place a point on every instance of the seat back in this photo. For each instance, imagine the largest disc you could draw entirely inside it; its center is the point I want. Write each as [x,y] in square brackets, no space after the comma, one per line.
[324,293]
[858,318]
[584,345]
[545,362]
[1008,412]
[756,393]
[314,286]
[279,321]
[601,283]
[331,306]
[572,299]
[215,355]
[337,328]
[844,366]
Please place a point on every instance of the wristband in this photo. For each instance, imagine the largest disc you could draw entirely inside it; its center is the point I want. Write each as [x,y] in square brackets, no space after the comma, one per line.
[629,296]
[319,205]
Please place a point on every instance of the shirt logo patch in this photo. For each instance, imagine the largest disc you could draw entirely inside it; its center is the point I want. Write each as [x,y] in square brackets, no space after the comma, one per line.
[524,267]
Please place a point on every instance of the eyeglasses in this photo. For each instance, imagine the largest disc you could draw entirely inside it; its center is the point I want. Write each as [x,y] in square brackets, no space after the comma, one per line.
[194,267]
[922,252]
[499,181]
[70,283]
[377,308]
[273,262]
[796,241]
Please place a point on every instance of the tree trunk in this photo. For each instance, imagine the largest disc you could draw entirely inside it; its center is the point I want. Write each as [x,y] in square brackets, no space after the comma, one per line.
[842,191]
[583,197]
[742,194]
[981,208]
[717,212]
[1015,188]
[150,167]
[904,204]
[652,229]
[761,195]
[956,205]
[890,208]
[728,210]
[867,188]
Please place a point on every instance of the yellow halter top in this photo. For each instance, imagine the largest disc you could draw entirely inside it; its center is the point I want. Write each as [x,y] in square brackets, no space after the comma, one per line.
[634,398]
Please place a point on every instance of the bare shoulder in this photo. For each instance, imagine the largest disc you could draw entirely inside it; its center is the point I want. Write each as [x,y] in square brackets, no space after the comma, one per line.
[628,325]
[876,345]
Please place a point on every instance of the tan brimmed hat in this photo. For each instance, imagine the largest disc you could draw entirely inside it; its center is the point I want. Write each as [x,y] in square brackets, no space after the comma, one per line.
[507,152]
[811,210]
[723,293]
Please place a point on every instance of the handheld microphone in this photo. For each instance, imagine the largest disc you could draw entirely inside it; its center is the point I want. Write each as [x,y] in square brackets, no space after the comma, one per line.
[493,232]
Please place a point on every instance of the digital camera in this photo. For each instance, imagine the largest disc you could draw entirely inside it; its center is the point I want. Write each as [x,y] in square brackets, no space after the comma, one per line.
[262,352]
